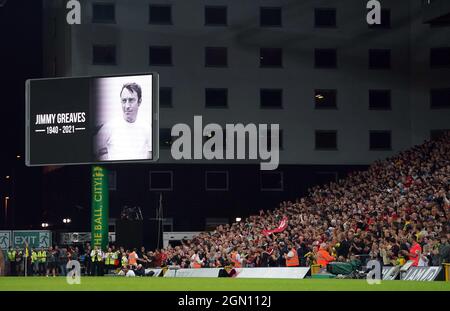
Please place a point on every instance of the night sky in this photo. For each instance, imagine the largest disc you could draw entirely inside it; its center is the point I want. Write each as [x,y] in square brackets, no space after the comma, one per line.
[21,59]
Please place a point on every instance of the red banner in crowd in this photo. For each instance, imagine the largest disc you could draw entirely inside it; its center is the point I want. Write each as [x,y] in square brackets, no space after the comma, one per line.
[281,227]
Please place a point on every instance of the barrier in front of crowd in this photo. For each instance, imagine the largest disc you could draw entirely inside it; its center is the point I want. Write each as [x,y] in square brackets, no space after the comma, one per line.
[266,273]
[391,273]
[423,274]
[447,271]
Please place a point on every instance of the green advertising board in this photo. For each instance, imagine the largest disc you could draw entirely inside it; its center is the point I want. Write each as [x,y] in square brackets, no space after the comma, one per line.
[100,207]
[5,239]
[35,239]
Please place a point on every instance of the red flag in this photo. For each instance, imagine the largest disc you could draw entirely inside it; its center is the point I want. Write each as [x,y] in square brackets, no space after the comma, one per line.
[281,227]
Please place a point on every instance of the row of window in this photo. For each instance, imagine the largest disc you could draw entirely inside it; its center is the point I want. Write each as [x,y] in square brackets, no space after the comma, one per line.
[268,57]
[323,98]
[324,139]
[161,14]
[213,181]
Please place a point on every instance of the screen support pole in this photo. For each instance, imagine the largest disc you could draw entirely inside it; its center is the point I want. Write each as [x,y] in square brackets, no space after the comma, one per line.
[100,207]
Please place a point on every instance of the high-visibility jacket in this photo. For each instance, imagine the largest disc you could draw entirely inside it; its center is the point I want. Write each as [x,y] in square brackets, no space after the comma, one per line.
[124,261]
[132,258]
[292,261]
[12,255]
[110,258]
[237,263]
[96,257]
[34,257]
[116,261]
[323,257]
[42,256]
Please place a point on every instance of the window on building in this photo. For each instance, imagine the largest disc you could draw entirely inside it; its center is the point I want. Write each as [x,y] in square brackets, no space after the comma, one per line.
[270,17]
[271,98]
[103,13]
[216,57]
[325,99]
[440,98]
[379,59]
[271,57]
[160,14]
[385,20]
[160,55]
[165,96]
[215,16]
[271,181]
[216,98]
[326,140]
[165,138]
[161,180]
[325,58]
[440,57]
[104,55]
[380,99]
[216,181]
[325,18]
[380,140]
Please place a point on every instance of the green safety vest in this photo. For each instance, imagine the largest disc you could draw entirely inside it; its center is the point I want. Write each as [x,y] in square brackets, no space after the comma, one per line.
[110,258]
[12,255]
[42,256]
[124,261]
[99,258]
[34,257]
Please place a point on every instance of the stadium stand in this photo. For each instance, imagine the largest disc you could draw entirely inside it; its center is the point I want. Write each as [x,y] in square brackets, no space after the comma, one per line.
[397,210]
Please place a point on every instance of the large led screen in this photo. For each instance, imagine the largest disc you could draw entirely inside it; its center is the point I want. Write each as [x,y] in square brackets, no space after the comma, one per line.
[89,120]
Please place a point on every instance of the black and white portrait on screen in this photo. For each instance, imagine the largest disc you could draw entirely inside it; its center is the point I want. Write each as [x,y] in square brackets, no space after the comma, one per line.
[123,118]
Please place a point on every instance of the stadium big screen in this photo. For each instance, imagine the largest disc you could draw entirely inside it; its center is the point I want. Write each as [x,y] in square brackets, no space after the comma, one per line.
[90,120]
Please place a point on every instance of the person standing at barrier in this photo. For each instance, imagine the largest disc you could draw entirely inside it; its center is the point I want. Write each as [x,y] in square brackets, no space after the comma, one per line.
[414,252]
[52,262]
[63,261]
[236,258]
[323,256]
[132,258]
[96,258]
[19,262]
[34,262]
[12,261]
[42,260]
[123,260]
[110,258]
[292,258]
[88,259]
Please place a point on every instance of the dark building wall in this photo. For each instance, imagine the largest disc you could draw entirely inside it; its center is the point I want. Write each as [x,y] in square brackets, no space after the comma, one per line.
[188,203]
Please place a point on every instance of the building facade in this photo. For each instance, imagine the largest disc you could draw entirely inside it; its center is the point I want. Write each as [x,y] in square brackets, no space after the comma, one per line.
[344,93]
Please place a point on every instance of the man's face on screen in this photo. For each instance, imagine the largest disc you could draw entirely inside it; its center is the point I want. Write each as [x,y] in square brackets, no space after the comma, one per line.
[130,105]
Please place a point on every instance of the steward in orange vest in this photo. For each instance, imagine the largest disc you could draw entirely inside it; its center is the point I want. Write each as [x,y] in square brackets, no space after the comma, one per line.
[292,261]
